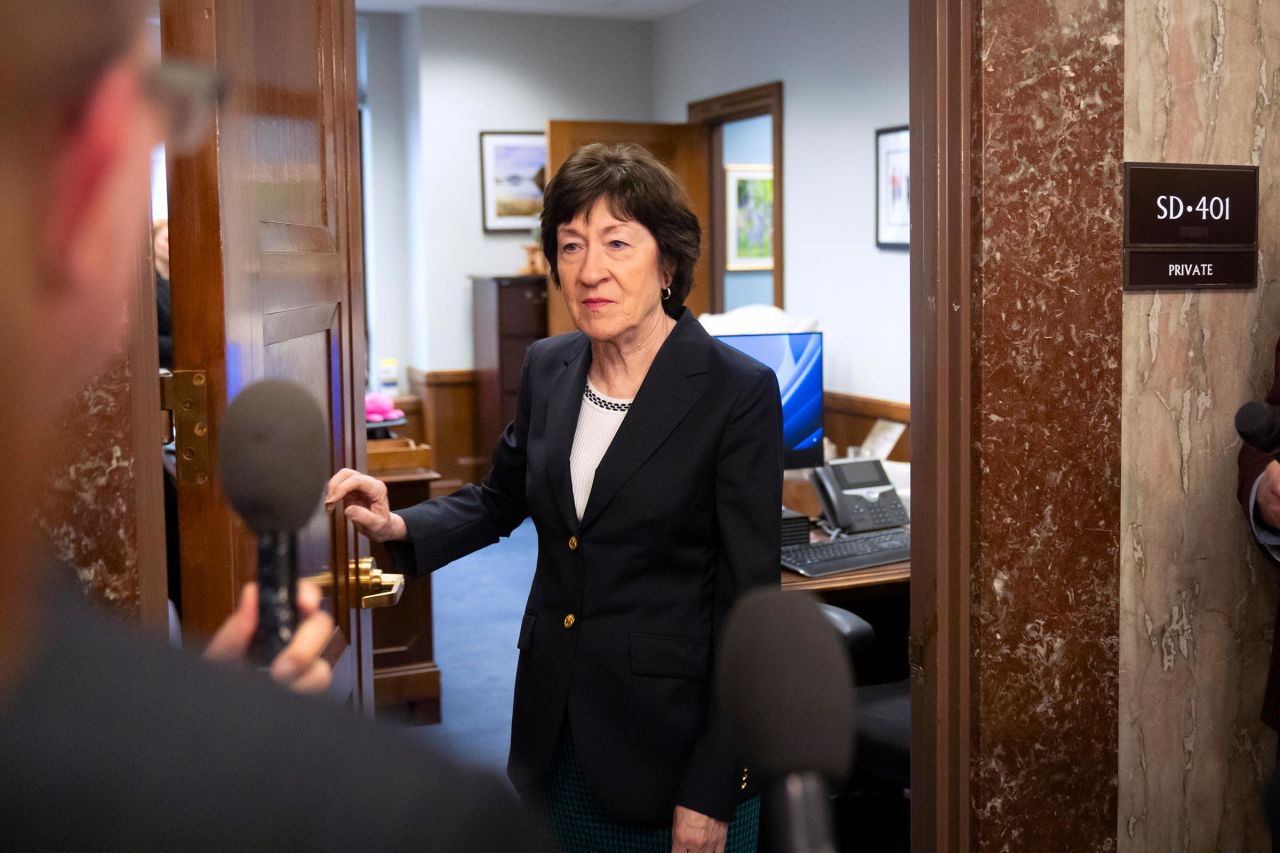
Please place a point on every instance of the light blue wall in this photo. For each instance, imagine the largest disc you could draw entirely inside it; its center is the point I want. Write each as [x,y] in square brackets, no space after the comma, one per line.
[844,70]
[463,72]
[503,71]
[385,154]
[843,65]
[749,141]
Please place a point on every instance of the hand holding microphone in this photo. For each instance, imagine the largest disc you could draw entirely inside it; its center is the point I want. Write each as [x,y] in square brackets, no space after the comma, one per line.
[274,461]
[300,666]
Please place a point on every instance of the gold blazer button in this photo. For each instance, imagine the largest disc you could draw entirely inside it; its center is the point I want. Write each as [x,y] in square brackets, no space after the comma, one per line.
[573,543]
[569,620]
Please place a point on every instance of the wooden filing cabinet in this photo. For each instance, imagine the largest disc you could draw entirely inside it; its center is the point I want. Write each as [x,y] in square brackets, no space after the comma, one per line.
[508,314]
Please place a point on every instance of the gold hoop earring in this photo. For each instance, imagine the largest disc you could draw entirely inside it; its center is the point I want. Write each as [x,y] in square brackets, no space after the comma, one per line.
[666,294]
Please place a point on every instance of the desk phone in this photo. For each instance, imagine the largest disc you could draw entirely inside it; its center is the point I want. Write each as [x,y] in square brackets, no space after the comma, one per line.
[857,496]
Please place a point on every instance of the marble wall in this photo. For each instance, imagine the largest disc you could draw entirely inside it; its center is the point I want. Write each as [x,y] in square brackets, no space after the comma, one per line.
[1047,152]
[1202,85]
[89,513]
[103,509]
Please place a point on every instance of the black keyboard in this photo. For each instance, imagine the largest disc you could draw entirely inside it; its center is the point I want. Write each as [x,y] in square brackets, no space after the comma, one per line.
[857,551]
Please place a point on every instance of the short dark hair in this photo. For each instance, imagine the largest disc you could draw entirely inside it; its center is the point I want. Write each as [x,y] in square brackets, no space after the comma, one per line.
[637,187]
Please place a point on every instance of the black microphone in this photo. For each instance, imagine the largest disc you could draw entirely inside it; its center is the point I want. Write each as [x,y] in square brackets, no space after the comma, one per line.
[273,459]
[784,678]
[1258,424]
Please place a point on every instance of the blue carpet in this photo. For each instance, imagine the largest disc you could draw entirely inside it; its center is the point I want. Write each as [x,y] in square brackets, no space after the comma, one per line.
[478,603]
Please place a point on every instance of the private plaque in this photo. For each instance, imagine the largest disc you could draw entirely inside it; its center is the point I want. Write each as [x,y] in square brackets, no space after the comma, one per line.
[1190,227]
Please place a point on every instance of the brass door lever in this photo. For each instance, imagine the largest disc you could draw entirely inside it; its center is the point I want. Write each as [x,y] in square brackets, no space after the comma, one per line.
[377,588]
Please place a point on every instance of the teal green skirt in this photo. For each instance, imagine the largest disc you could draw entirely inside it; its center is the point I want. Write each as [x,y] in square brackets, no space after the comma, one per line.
[581,826]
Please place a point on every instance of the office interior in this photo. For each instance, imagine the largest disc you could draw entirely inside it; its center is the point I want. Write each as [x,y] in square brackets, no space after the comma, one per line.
[1084,624]
[434,79]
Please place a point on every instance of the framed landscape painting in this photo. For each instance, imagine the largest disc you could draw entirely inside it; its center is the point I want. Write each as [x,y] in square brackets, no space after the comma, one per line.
[513,169]
[749,216]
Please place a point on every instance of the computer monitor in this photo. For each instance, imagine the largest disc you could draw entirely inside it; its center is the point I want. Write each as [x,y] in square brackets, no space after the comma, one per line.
[796,358]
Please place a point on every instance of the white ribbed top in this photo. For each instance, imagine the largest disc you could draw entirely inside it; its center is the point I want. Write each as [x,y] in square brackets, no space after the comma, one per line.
[597,425]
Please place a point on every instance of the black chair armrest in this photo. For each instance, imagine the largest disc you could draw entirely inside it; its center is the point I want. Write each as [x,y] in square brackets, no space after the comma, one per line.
[856,632]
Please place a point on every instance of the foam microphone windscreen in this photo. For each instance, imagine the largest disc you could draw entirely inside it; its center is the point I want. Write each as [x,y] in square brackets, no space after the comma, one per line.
[1259,426]
[784,678]
[274,455]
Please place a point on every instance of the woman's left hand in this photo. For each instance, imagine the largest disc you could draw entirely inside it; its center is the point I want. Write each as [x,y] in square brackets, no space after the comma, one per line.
[694,832]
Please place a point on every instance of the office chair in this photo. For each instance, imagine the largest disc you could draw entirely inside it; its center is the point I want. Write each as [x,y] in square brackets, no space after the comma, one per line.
[882,739]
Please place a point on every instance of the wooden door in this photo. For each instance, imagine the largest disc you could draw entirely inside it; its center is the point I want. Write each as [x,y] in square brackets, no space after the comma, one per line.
[267,280]
[684,148]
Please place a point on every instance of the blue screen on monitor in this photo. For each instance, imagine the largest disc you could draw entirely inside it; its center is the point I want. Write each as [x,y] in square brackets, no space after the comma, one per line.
[796,358]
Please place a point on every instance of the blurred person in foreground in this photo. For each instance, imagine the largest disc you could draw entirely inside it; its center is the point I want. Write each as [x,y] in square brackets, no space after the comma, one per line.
[1258,490]
[109,741]
[649,456]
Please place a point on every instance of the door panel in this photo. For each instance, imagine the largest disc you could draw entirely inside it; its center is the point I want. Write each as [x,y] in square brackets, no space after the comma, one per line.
[303,352]
[684,148]
[267,276]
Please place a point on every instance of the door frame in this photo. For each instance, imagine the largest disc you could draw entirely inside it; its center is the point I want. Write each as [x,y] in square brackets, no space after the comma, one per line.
[941,49]
[715,112]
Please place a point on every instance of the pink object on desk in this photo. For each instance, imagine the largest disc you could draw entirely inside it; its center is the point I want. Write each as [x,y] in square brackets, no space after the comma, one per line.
[381,407]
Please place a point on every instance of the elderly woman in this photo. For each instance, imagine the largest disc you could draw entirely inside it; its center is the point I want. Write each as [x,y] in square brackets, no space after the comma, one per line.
[649,457]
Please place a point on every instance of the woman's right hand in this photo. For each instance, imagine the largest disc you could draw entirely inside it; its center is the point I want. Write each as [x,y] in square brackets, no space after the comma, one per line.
[366,506]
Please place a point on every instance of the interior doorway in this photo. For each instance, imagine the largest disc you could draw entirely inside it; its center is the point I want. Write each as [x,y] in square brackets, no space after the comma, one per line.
[845,78]
[746,185]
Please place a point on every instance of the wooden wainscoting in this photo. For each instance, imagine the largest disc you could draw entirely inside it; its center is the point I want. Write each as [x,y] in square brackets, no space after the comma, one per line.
[449,414]
[848,419]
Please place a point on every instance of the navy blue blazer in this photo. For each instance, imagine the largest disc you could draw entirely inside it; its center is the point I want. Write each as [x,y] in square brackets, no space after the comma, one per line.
[626,605]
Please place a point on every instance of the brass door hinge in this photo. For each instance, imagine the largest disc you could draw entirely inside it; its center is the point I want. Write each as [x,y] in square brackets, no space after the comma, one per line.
[184,399]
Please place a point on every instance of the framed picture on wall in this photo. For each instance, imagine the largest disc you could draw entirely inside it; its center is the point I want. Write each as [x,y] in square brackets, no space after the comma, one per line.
[749,217]
[513,170]
[893,188]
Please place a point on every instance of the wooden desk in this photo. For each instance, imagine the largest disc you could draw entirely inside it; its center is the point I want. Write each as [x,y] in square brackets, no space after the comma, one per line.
[893,573]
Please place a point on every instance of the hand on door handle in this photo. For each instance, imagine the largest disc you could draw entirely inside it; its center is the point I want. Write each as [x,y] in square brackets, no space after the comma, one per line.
[300,666]
[365,505]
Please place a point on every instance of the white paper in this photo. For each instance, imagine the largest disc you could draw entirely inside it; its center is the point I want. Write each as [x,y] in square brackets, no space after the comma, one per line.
[884,435]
